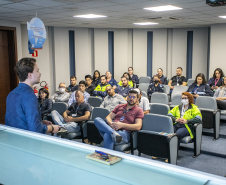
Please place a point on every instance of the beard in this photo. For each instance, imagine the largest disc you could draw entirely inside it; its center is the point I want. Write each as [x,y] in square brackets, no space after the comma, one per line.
[131,103]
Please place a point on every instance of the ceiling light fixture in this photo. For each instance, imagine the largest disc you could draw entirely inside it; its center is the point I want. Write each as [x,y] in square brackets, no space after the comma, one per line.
[145,23]
[223,17]
[163,8]
[89,16]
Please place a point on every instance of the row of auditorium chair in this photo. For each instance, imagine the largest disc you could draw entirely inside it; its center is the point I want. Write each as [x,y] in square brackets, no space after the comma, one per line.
[150,140]
[147,79]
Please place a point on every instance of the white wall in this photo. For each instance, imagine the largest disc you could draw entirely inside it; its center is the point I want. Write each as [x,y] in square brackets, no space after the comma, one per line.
[179,50]
[200,48]
[159,50]
[130,48]
[43,59]
[217,48]
[122,52]
[82,53]
[101,50]
[61,49]
[140,52]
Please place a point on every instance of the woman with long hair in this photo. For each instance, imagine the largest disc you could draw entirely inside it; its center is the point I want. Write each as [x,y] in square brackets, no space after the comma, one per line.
[45,103]
[96,77]
[217,79]
[220,95]
[200,87]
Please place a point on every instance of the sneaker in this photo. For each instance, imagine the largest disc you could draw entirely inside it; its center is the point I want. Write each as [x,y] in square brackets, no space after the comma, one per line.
[116,137]
[62,131]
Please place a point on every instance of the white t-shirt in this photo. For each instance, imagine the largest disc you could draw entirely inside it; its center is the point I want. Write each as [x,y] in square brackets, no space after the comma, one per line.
[144,104]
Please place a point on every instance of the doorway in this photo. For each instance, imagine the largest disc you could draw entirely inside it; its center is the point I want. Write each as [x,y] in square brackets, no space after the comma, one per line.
[8,58]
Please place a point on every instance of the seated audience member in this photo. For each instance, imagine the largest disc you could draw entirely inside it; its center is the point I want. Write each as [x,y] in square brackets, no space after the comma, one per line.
[184,116]
[90,86]
[120,122]
[61,95]
[156,86]
[177,80]
[73,87]
[199,87]
[100,90]
[162,78]
[125,88]
[130,82]
[220,95]
[45,103]
[74,116]
[112,99]
[110,80]
[143,102]
[134,78]
[96,78]
[82,87]
[216,80]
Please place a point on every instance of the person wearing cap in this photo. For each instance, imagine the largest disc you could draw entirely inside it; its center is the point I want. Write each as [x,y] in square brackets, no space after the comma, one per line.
[143,102]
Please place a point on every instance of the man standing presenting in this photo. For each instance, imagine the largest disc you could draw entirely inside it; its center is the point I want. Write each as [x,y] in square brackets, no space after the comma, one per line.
[22,108]
[123,119]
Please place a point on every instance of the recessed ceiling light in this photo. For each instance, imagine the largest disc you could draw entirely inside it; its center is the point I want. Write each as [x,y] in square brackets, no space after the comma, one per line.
[145,23]
[163,8]
[223,17]
[89,16]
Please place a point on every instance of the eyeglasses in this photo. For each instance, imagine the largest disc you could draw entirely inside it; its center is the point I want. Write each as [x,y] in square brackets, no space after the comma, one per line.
[184,98]
[61,87]
[133,97]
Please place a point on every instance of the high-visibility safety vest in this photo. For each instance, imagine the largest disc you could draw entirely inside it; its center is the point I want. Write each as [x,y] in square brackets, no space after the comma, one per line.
[189,114]
[101,87]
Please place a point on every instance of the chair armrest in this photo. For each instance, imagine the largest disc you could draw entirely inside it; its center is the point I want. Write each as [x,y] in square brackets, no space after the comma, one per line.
[215,112]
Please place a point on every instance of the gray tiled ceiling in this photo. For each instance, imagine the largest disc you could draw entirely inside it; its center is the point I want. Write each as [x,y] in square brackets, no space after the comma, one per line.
[121,13]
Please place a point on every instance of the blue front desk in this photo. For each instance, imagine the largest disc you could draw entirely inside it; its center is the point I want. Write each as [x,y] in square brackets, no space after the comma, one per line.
[28,158]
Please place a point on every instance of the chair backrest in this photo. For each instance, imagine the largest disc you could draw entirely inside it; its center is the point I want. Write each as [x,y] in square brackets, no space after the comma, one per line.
[60,107]
[99,112]
[179,90]
[190,81]
[159,98]
[176,99]
[144,94]
[158,108]
[95,101]
[144,79]
[206,102]
[157,123]
[143,86]
[166,89]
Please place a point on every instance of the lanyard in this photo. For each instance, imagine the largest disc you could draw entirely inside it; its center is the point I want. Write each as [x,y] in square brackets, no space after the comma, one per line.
[216,81]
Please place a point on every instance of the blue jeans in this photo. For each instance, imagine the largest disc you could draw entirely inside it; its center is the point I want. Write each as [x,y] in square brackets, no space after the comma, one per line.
[181,132]
[59,120]
[106,132]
